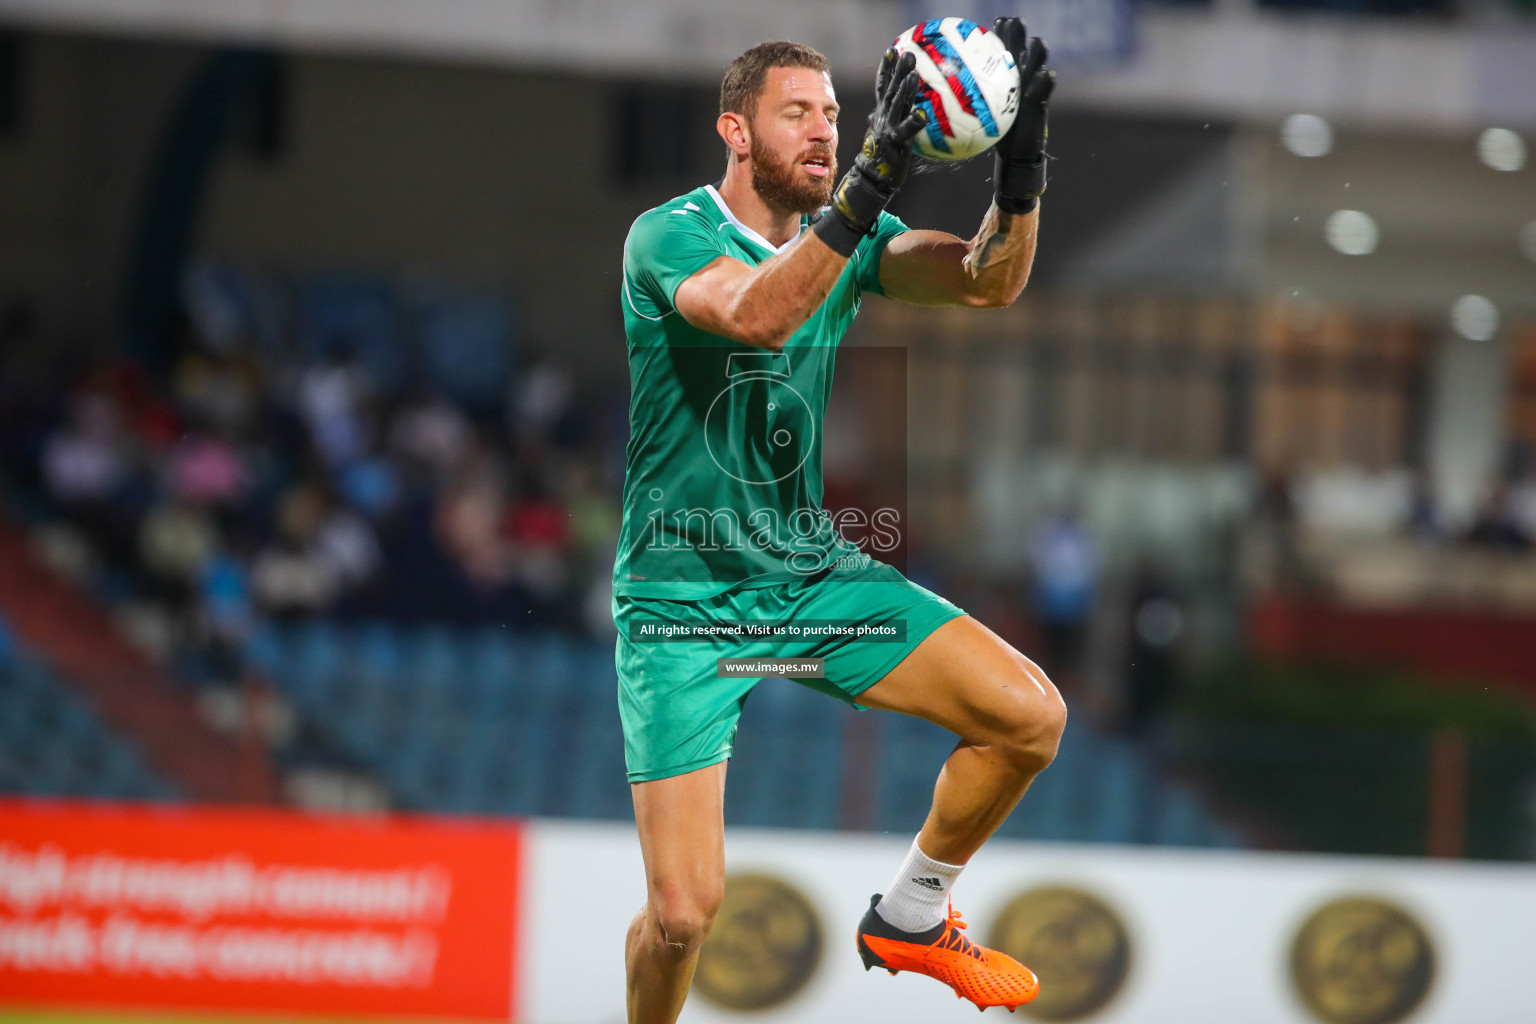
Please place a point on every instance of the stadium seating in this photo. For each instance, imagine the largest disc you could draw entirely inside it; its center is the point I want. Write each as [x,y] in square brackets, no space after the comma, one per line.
[496,721]
[52,744]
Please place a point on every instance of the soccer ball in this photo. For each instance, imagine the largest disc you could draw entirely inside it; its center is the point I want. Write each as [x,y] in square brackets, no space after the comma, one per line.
[970,88]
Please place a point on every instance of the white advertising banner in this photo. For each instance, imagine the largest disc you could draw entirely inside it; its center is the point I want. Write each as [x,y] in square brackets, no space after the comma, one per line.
[1117,934]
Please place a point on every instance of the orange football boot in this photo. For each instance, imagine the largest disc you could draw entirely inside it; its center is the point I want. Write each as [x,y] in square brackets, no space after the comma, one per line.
[984,976]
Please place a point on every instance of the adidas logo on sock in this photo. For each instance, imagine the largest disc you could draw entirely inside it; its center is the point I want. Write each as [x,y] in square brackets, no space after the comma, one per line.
[929,883]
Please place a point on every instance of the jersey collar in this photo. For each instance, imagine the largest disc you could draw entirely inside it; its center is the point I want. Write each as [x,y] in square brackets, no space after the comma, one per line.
[739,226]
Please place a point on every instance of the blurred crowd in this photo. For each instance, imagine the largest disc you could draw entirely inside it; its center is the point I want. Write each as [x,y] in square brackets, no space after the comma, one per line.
[359,452]
[244,484]
[1399,502]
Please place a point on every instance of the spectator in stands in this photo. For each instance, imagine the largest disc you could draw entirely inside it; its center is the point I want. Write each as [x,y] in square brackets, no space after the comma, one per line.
[286,450]
[331,400]
[152,422]
[372,485]
[594,515]
[291,582]
[225,615]
[346,545]
[1064,559]
[1498,522]
[539,399]
[1269,544]
[468,520]
[1151,670]
[289,577]
[85,468]
[431,435]
[83,463]
[218,391]
[176,540]
[594,518]
[536,529]
[207,469]
[1521,500]
[1425,522]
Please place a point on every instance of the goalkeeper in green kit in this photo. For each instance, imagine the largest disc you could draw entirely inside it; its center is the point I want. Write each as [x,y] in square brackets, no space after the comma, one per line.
[735,297]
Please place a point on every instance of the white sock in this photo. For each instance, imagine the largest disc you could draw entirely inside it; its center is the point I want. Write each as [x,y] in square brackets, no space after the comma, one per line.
[915,900]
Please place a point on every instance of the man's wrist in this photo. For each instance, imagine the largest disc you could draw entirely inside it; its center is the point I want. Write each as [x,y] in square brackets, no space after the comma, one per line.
[1018,185]
[839,234]
[1015,206]
[856,208]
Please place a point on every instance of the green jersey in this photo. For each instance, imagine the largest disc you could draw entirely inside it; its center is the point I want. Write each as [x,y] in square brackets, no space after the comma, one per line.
[722,483]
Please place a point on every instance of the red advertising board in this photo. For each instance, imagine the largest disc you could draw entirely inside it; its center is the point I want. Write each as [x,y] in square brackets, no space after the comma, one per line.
[257,910]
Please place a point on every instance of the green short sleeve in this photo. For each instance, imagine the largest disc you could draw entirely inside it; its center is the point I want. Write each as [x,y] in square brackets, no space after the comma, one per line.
[666,247]
[872,249]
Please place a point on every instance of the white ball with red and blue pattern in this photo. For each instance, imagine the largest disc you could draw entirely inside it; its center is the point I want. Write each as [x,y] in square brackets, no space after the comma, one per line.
[970,89]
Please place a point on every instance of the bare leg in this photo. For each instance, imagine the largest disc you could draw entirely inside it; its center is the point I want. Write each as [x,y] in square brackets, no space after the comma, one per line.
[682,838]
[1007,714]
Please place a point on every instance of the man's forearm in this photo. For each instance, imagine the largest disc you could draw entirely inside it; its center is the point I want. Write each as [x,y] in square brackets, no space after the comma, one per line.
[1001,255]
[782,293]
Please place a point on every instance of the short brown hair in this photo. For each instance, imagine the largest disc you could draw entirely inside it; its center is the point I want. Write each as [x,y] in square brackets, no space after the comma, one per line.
[743,82]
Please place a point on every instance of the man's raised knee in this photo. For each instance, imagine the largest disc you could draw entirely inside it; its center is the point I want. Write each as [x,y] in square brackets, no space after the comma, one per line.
[1035,729]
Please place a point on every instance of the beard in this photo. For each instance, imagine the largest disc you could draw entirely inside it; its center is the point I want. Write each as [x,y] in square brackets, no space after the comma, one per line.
[780,182]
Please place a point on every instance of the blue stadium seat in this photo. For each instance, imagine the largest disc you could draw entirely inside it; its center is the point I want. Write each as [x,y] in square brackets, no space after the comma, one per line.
[466,346]
[53,744]
[551,666]
[1120,791]
[529,760]
[432,659]
[490,654]
[787,765]
[598,786]
[314,664]
[376,656]
[911,752]
[353,314]
[265,650]
[595,680]
[493,720]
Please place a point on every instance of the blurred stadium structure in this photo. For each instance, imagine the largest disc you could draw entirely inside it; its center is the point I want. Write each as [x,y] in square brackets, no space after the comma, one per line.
[312,413]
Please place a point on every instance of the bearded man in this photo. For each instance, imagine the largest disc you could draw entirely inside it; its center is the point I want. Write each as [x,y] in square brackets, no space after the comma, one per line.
[735,297]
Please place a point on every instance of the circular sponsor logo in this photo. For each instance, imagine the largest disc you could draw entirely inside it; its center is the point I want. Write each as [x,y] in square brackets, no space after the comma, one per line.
[1362,961]
[1074,942]
[764,947]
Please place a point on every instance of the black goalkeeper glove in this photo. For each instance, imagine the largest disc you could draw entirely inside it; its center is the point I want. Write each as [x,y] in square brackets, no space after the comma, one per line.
[882,163]
[1019,172]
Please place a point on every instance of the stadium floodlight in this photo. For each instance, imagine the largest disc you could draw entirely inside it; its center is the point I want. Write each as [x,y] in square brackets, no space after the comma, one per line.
[1351,232]
[1475,317]
[1307,135]
[1501,149]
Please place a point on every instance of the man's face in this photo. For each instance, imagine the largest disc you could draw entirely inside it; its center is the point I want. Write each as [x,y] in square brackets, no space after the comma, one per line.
[794,139]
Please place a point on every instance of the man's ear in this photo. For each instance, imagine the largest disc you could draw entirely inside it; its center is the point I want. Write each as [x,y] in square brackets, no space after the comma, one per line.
[733,128]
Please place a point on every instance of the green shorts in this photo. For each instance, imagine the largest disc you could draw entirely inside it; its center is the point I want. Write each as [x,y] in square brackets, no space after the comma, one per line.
[679,715]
